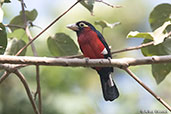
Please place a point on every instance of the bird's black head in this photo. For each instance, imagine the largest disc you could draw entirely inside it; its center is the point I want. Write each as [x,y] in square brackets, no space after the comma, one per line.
[81,25]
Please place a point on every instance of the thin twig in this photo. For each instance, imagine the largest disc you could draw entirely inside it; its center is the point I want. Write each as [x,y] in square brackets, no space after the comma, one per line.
[133,48]
[23,80]
[38,91]
[34,53]
[116,51]
[32,44]
[4,76]
[72,56]
[52,23]
[147,88]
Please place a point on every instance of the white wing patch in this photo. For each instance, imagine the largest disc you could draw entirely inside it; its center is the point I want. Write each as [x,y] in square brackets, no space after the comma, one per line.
[104,52]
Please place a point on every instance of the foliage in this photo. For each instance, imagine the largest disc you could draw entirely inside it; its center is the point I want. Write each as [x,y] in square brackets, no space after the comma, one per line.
[61,45]
[14,45]
[161,39]
[18,20]
[89,4]
[3,38]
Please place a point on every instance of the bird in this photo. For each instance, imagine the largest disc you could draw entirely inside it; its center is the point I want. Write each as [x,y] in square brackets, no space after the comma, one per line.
[94,46]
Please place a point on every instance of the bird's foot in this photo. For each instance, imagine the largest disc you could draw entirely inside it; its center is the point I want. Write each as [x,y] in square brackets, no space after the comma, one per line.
[87,59]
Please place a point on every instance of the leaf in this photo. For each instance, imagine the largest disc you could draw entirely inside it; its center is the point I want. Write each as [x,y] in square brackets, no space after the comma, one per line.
[136,34]
[4,1]
[14,45]
[3,38]
[160,21]
[19,34]
[157,36]
[18,20]
[152,50]
[62,45]
[160,71]
[89,4]
[105,24]
[1,14]
[7,1]
[167,46]
[159,15]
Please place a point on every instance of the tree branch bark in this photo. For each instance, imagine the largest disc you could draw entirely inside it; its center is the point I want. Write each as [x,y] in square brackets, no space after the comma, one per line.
[4,76]
[49,61]
[23,80]
[147,88]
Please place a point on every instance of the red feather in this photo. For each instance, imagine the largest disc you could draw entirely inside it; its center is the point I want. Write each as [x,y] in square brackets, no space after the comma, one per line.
[90,44]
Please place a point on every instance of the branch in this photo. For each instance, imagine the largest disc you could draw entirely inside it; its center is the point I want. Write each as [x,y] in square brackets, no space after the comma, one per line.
[47,27]
[9,69]
[38,90]
[148,89]
[118,51]
[4,76]
[30,38]
[48,61]
[23,80]
[133,48]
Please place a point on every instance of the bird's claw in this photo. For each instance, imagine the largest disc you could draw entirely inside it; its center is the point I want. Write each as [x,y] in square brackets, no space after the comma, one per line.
[109,58]
[86,59]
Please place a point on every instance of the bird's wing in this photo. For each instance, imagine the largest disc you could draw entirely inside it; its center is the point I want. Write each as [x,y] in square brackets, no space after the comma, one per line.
[100,36]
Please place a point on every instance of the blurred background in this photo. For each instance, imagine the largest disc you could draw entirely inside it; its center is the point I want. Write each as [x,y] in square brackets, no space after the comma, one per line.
[67,90]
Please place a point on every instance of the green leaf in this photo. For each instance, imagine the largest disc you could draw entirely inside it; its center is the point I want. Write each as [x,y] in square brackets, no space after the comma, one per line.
[167,46]
[160,71]
[152,50]
[89,4]
[3,38]
[105,24]
[4,1]
[136,34]
[159,15]
[160,21]
[62,45]
[157,36]
[19,34]
[18,20]
[7,1]
[14,45]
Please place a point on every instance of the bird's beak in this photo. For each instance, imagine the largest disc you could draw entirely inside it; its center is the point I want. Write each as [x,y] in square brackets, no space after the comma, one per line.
[73,27]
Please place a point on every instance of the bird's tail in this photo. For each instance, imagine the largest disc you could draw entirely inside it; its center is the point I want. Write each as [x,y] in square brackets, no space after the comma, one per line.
[110,91]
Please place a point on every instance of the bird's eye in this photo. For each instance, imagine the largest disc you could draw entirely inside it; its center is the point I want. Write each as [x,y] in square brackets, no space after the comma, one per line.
[82,25]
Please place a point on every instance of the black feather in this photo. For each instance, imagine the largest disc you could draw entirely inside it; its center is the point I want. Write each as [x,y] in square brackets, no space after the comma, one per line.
[110,91]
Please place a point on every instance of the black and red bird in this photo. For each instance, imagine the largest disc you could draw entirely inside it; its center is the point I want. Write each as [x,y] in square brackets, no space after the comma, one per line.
[94,46]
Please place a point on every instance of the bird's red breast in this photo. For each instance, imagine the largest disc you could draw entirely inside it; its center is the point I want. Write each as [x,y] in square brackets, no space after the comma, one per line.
[90,44]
